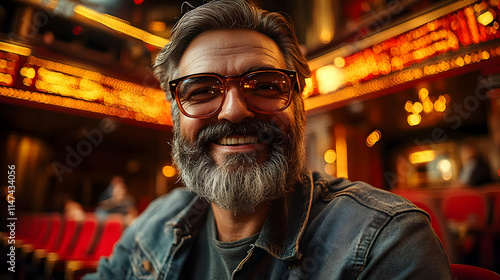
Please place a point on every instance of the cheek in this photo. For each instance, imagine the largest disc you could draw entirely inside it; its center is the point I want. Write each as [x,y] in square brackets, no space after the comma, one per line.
[190,127]
[284,120]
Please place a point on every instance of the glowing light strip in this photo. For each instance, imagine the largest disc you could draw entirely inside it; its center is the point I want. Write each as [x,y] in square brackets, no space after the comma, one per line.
[121,26]
[341,147]
[48,82]
[400,77]
[387,34]
[80,105]
[4,46]
[422,156]
[390,62]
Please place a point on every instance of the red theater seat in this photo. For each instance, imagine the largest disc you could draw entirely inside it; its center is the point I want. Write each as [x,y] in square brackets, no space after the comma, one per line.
[45,235]
[111,233]
[466,213]
[465,206]
[496,211]
[51,238]
[469,272]
[429,205]
[78,250]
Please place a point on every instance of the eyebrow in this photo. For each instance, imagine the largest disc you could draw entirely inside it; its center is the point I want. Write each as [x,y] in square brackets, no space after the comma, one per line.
[248,69]
[262,67]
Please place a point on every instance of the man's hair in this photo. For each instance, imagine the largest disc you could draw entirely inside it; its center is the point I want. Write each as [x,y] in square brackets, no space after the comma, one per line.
[230,14]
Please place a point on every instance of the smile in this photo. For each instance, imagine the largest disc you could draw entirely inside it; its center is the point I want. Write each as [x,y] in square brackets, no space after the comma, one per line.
[237,140]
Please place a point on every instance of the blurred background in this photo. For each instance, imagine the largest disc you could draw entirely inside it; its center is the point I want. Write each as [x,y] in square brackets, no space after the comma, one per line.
[405,95]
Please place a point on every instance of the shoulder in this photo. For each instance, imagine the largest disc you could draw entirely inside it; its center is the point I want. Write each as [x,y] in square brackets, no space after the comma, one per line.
[331,193]
[361,228]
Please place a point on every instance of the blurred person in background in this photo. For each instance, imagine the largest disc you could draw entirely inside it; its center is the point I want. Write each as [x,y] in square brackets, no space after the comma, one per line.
[108,192]
[475,169]
[73,210]
[250,209]
[117,201]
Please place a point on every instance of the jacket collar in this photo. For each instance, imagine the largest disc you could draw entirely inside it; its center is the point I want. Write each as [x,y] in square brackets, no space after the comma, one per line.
[286,222]
[282,231]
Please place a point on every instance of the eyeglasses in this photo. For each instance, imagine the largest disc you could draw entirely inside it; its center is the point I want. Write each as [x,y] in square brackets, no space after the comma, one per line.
[265,91]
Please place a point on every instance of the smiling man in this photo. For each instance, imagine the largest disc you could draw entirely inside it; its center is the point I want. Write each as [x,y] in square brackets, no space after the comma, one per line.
[250,209]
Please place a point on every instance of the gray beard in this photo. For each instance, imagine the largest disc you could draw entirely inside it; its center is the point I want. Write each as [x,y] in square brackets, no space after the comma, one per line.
[240,184]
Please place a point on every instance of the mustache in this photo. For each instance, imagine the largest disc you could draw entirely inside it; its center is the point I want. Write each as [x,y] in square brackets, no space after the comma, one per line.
[266,132]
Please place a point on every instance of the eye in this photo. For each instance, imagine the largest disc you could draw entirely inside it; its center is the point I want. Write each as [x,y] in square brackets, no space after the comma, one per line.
[266,87]
[201,92]
[267,90]
[266,84]
[204,94]
[199,89]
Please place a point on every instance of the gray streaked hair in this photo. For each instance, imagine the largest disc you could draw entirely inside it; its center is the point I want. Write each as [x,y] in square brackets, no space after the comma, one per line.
[230,14]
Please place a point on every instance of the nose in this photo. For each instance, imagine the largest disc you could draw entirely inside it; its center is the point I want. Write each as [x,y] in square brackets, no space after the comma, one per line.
[235,108]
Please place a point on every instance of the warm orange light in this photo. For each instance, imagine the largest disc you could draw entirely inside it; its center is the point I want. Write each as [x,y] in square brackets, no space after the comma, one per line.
[341,147]
[27,82]
[308,89]
[440,104]
[329,78]
[417,107]
[428,105]
[339,62]
[444,166]
[330,169]
[12,48]
[423,94]
[447,176]
[414,119]
[28,72]
[326,36]
[373,138]
[330,156]
[409,106]
[168,171]
[486,17]
[6,79]
[422,156]
[81,89]
[120,26]
[157,26]
[485,55]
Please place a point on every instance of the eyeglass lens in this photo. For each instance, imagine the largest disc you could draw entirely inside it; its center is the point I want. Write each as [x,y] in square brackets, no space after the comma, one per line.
[263,91]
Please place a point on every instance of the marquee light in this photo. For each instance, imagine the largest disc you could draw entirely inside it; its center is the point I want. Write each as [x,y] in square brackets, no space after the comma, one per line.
[44,81]
[121,26]
[393,61]
[16,49]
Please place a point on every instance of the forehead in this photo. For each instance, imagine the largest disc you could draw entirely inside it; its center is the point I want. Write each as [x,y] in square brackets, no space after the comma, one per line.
[230,52]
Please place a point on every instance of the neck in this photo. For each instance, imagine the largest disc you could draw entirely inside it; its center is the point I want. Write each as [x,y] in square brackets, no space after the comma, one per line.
[231,227]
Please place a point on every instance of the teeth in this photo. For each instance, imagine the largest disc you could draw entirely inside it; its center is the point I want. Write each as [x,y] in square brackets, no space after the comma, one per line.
[240,140]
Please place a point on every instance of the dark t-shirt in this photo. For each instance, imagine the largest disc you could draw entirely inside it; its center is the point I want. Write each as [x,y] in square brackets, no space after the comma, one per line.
[213,259]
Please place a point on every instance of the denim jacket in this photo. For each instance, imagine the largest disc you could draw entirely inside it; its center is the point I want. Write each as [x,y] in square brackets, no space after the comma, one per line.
[327,229]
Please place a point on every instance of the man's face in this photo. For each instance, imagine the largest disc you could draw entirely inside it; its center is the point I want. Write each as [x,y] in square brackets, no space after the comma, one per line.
[232,52]
[238,158]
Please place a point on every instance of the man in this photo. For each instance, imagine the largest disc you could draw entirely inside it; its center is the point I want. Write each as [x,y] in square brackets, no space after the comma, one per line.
[475,168]
[250,209]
